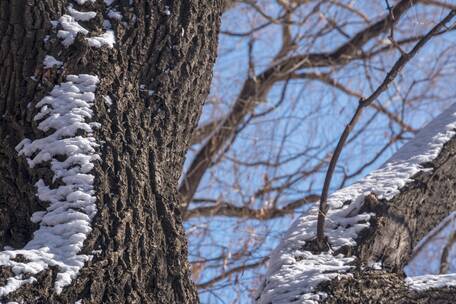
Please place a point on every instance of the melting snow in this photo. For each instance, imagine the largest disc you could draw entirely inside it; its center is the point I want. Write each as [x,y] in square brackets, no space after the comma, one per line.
[81,16]
[106,38]
[50,62]
[108,102]
[70,30]
[81,2]
[66,222]
[421,283]
[294,273]
[54,23]
[113,14]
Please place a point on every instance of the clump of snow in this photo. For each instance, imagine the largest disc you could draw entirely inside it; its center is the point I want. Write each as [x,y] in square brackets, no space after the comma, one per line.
[70,30]
[81,2]
[106,38]
[108,2]
[50,62]
[294,273]
[66,222]
[54,23]
[421,283]
[114,14]
[108,102]
[81,16]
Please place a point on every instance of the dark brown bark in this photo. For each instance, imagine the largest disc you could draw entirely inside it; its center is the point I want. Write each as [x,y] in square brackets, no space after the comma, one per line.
[378,287]
[138,227]
[398,226]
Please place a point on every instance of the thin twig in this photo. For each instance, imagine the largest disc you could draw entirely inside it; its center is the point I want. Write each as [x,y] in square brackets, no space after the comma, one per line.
[229,272]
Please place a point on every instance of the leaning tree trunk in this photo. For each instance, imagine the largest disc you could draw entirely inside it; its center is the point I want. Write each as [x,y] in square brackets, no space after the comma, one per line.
[395,230]
[141,72]
[371,230]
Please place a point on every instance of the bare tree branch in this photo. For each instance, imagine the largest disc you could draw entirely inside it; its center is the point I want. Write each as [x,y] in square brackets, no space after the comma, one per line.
[231,210]
[230,272]
[255,89]
[397,67]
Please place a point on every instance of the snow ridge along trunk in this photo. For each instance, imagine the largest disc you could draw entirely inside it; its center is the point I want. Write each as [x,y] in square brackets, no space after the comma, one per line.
[98,101]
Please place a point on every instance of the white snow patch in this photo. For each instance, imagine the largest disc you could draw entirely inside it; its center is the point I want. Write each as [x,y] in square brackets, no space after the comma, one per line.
[114,14]
[421,283]
[70,30]
[107,100]
[54,23]
[50,62]
[66,222]
[81,2]
[81,16]
[108,2]
[294,273]
[106,38]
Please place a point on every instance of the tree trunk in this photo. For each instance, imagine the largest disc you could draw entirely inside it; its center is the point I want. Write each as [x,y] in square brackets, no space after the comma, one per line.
[152,84]
[371,230]
[396,229]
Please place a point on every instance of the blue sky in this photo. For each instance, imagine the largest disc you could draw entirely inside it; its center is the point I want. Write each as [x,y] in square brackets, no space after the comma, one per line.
[311,116]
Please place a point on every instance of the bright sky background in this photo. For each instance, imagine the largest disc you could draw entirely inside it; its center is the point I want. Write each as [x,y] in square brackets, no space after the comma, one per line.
[312,115]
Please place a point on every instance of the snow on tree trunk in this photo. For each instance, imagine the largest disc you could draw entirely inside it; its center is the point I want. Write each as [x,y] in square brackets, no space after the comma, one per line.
[372,228]
[98,100]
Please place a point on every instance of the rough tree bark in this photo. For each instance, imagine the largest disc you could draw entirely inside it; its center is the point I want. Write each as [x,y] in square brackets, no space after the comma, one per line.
[168,47]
